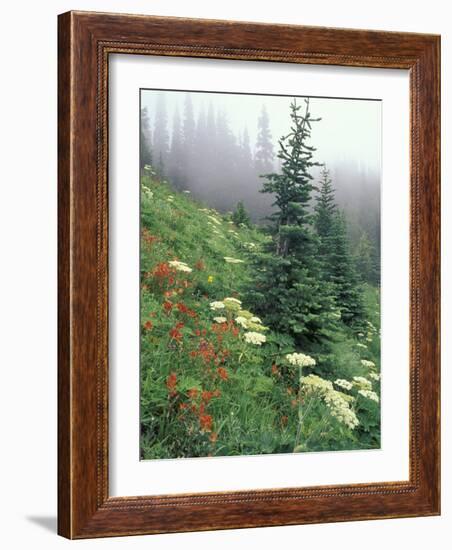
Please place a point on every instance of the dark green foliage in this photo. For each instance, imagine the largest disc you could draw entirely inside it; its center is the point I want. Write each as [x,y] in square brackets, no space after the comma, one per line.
[289,292]
[334,251]
[367,260]
[240,215]
[324,213]
[342,274]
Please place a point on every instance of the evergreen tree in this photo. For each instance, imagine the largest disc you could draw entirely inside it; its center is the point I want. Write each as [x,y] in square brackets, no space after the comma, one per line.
[289,292]
[334,253]
[188,131]
[176,168]
[161,137]
[264,145]
[240,215]
[245,150]
[211,131]
[340,270]
[366,259]
[324,213]
[199,168]
[145,139]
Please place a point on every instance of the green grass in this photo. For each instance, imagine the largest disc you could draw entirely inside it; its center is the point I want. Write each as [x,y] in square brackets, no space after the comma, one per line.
[206,390]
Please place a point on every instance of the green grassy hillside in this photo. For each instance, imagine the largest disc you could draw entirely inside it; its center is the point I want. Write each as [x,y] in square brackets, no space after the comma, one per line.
[214,379]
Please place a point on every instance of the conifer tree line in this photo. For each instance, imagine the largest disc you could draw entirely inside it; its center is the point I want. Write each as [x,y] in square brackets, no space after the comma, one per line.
[305,278]
[202,147]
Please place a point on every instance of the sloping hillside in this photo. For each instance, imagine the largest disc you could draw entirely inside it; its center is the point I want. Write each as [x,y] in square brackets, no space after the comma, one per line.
[214,379]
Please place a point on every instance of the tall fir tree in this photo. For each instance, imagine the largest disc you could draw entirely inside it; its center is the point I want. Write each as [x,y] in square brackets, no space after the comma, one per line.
[340,270]
[289,292]
[264,146]
[325,208]
[145,138]
[367,260]
[188,131]
[240,216]
[199,168]
[334,253]
[161,136]
[245,150]
[176,167]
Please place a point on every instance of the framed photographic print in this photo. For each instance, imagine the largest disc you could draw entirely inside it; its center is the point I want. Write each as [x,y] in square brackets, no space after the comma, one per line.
[248,275]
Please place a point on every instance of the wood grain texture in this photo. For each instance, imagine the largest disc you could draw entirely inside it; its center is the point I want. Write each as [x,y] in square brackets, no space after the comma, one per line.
[85,42]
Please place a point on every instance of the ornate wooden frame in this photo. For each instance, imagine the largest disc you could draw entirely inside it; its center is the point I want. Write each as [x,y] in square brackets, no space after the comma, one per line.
[85,42]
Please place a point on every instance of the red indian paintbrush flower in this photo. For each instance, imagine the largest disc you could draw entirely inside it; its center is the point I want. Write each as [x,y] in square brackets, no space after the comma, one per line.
[192,393]
[223,373]
[171,383]
[176,334]
[206,421]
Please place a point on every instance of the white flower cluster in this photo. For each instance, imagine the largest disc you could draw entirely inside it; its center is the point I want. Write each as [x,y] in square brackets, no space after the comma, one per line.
[214,219]
[255,338]
[367,364]
[374,376]
[249,321]
[345,384]
[362,383]
[216,305]
[340,409]
[337,402]
[220,319]
[242,321]
[300,360]
[243,317]
[313,382]
[147,192]
[232,304]
[359,345]
[230,260]
[369,394]
[180,266]
[149,170]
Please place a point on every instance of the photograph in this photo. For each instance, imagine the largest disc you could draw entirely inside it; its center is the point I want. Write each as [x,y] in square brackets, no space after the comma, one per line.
[259,274]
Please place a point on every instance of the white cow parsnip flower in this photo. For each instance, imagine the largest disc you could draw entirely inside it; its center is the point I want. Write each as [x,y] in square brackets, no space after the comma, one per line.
[220,319]
[300,360]
[180,266]
[242,321]
[345,384]
[255,338]
[369,394]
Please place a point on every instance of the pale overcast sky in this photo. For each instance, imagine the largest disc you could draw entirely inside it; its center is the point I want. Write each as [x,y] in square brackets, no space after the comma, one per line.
[350,129]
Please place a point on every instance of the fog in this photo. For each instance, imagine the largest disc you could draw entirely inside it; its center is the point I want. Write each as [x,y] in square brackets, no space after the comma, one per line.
[207,143]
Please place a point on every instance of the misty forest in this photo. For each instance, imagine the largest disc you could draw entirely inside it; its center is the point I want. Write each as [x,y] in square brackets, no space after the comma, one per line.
[260,278]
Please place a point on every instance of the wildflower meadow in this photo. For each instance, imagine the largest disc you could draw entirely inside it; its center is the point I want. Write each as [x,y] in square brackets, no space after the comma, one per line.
[257,335]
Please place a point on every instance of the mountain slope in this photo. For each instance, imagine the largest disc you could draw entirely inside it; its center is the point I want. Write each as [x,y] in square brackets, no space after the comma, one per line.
[214,379]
